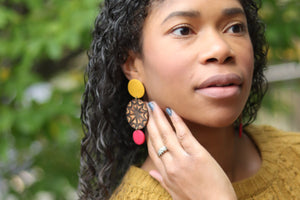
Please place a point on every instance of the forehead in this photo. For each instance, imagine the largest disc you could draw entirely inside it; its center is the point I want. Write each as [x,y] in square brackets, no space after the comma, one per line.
[165,5]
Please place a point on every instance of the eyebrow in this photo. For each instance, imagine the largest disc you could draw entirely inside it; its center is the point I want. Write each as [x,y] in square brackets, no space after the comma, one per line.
[233,11]
[194,14]
[191,14]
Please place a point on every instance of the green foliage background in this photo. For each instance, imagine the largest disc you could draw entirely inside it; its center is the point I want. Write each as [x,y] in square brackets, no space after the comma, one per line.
[43,47]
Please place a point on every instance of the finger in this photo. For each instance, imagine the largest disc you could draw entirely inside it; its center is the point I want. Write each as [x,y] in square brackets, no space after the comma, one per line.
[184,135]
[161,170]
[154,143]
[166,135]
[159,163]
[153,155]
[156,175]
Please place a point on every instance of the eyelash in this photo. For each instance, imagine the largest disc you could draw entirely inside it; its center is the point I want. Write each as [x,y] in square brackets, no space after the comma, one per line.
[182,26]
[242,29]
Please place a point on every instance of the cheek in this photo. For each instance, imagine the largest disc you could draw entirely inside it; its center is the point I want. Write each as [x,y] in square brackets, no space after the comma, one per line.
[162,65]
[245,59]
[249,59]
[165,76]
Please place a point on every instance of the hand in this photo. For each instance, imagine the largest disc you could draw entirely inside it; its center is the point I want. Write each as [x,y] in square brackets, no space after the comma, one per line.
[186,170]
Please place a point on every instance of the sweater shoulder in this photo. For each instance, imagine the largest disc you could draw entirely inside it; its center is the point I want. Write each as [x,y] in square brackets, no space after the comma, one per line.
[278,177]
[274,138]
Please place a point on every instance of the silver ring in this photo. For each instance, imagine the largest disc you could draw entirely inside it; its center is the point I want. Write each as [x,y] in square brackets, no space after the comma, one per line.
[162,150]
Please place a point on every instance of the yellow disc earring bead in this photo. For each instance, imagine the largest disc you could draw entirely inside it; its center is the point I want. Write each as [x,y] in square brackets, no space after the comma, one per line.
[136,88]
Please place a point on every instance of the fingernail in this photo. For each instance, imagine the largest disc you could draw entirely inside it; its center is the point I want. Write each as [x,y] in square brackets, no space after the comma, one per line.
[169,111]
[151,105]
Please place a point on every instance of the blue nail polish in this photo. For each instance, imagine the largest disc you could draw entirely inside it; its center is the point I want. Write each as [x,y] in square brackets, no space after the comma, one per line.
[151,105]
[169,111]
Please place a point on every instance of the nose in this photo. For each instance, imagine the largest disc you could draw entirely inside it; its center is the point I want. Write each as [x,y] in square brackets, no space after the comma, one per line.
[215,49]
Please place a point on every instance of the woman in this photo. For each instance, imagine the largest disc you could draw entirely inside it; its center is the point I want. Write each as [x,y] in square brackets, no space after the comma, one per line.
[201,64]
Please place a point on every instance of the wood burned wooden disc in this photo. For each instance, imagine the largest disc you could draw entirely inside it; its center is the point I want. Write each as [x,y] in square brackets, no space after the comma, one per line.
[137,114]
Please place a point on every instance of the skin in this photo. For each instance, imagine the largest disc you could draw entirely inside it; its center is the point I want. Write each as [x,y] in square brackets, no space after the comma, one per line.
[186,43]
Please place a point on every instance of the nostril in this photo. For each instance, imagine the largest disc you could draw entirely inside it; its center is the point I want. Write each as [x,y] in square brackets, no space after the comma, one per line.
[228,59]
[211,60]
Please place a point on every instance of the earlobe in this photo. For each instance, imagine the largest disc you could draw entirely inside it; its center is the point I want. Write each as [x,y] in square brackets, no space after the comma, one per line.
[130,68]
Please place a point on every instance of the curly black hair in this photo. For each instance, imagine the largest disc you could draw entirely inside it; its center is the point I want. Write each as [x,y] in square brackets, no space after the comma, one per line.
[107,149]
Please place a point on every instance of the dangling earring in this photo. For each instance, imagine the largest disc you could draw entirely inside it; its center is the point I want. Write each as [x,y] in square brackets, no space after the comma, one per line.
[137,112]
[240,126]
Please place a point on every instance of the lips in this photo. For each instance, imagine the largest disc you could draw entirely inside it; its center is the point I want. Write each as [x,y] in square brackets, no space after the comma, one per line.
[221,81]
[221,86]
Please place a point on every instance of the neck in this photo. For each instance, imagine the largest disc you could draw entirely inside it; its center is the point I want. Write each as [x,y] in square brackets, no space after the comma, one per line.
[221,143]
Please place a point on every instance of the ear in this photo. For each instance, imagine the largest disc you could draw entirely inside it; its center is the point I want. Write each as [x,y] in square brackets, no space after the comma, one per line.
[133,67]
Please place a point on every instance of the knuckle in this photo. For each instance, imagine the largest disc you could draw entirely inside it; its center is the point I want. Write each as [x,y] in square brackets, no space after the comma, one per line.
[171,172]
[201,159]
[165,139]
[181,135]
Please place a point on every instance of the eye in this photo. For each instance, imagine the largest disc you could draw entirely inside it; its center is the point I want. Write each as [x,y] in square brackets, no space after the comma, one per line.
[236,28]
[183,30]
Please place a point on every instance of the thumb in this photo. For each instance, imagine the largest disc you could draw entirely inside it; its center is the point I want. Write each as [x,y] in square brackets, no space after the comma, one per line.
[156,175]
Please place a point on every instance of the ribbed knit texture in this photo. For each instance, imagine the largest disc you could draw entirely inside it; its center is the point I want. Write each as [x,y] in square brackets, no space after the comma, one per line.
[278,178]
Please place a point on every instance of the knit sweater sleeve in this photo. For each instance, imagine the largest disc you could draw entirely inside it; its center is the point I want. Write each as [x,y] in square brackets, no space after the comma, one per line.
[137,184]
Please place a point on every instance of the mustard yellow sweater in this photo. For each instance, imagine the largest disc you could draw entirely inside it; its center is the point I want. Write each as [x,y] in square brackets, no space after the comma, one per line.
[278,177]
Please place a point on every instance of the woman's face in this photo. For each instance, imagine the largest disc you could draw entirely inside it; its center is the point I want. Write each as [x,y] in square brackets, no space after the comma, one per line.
[198,59]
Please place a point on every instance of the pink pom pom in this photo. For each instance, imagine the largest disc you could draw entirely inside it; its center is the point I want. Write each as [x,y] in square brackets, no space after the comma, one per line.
[138,137]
